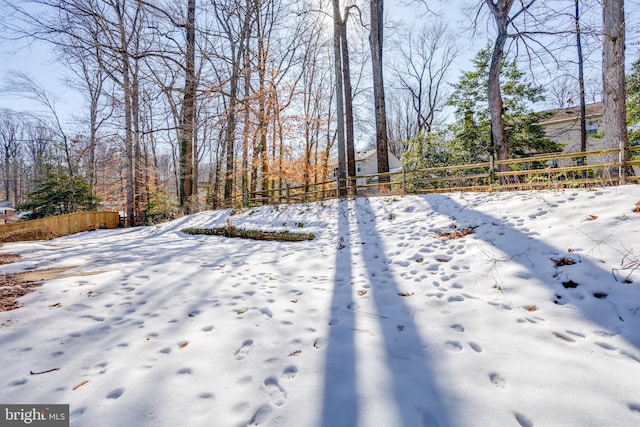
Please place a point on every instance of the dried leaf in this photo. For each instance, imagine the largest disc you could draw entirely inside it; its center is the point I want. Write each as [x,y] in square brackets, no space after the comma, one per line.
[183,344]
[295,353]
[362,293]
[405,294]
[80,384]
[458,233]
[563,261]
[531,308]
[591,217]
[242,311]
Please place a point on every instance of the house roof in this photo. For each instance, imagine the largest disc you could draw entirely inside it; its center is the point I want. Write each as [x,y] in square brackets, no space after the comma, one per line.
[360,156]
[573,113]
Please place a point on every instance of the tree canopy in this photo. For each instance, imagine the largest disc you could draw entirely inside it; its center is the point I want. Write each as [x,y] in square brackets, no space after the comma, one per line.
[473,123]
[56,194]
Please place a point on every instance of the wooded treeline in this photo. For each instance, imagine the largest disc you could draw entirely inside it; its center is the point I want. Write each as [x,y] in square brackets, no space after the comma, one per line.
[197,104]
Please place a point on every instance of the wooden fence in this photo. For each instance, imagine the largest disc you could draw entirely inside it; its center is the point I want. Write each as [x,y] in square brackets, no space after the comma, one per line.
[555,170]
[57,226]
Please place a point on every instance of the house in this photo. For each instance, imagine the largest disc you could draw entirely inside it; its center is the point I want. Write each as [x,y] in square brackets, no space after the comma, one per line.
[563,126]
[366,164]
[6,212]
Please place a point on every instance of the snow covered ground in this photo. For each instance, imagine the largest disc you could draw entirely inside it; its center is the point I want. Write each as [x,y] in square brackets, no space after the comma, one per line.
[385,319]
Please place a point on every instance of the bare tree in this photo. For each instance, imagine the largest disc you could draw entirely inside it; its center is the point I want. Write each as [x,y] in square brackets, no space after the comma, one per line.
[425,59]
[24,85]
[337,45]
[376,40]
[11,137]
[614,95]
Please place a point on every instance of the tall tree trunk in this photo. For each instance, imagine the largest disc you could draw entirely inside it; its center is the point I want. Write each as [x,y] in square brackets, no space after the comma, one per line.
[583,110]
[348,102]
[375,42]
[613,79]
[500,11]
[337,57]
[188,115]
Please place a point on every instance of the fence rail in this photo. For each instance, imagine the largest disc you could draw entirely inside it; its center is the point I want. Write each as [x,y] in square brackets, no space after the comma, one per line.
[603,167]
[57,226]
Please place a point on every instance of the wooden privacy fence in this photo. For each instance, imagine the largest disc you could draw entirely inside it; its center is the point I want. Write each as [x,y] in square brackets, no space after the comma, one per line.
[554,170]
[57,226]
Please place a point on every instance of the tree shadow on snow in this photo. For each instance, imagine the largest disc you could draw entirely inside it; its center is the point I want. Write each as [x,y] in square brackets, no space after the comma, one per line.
[594,305]
[340,404]
[412,381]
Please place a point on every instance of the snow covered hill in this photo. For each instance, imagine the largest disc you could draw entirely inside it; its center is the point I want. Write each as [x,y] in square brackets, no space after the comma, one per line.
[473,309]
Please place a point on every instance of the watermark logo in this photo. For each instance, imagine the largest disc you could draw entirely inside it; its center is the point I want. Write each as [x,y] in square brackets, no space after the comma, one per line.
[34,415]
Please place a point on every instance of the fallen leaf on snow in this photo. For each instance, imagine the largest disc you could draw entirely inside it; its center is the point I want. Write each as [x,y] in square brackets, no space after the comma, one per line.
[405,294]
[80,384]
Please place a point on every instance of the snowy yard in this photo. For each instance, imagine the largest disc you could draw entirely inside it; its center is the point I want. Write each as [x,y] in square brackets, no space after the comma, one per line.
[473,309]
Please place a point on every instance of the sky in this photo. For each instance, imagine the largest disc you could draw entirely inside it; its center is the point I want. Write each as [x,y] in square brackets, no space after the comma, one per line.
[38,61]
[447,310]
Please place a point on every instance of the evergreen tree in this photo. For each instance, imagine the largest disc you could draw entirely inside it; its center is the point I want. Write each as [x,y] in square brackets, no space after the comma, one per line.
[53,196]
[633,104]
[473,122]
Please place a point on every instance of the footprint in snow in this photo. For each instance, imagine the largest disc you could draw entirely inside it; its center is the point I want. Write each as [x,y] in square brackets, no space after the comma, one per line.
[276,392]
[261,416]
[454,346]
[290,372]
[475,347]
[242,352]
[497,380]
[266,313]
[115,394]
[634,407]
[522,420]
[606,346]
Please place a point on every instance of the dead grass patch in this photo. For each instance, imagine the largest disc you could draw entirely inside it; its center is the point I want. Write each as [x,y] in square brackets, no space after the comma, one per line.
[637,208]
[36,233]
[15,285]
[231,231]
[457,234]
[8,258]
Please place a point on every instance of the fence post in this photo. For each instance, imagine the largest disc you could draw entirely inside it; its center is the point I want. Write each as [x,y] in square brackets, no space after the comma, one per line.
[288,194]
[491,170]
[621,171]
[404,181]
